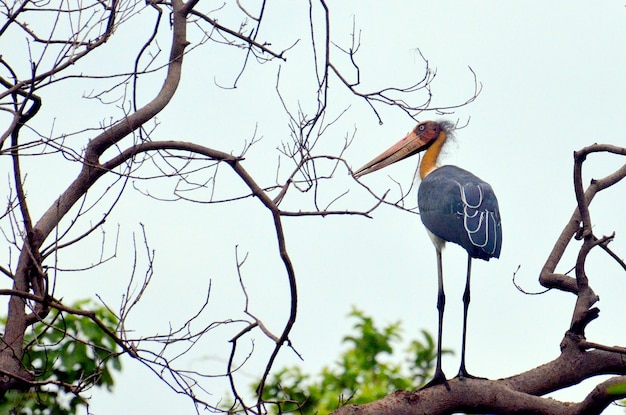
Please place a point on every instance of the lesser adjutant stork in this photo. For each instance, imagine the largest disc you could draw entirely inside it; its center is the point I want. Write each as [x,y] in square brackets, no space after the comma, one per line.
[455,206]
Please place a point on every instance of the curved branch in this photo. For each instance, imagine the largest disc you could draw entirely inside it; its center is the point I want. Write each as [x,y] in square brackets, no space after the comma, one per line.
[258,192]
[548,278]
[92,170]
[289,268]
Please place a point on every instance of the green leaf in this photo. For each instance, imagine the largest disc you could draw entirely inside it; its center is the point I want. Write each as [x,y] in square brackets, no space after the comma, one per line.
[617,389]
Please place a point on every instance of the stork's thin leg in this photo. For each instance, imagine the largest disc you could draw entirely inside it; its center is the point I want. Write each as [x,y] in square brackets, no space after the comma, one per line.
[466,300]
[439,377]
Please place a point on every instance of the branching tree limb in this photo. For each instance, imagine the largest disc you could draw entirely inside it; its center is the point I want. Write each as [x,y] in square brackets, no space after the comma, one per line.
[579,359]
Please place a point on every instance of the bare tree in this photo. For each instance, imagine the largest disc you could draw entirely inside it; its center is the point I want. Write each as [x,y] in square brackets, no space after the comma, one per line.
[52,41]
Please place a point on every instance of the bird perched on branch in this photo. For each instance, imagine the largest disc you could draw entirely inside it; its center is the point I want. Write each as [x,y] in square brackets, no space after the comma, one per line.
[455,206]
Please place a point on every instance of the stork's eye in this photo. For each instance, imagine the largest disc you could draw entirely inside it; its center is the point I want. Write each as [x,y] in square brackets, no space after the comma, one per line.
[421,127]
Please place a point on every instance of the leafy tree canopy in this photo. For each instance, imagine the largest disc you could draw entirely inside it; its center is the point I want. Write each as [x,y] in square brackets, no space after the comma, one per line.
[71,354]
[370,368]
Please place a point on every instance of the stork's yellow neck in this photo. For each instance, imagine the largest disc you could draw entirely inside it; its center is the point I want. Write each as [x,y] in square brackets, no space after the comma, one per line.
[429,161]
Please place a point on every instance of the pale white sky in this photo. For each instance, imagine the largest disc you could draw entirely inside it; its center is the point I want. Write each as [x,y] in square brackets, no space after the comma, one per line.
[553,77]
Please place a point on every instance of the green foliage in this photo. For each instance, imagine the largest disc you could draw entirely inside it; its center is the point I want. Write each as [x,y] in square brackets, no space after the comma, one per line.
[617,389]
[364,372]
[69,353]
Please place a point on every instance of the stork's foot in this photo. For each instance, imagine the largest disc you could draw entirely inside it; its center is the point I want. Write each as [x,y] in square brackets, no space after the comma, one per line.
[464,375]
[438,379]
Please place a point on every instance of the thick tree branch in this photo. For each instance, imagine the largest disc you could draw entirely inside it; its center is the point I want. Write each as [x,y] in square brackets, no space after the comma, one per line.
[92,169]
[11,350]
[517,394]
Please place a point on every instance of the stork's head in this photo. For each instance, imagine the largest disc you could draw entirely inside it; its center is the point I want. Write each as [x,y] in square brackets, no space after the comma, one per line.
[419,139]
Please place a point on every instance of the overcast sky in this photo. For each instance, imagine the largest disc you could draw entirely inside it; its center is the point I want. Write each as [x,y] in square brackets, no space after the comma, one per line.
[553,81]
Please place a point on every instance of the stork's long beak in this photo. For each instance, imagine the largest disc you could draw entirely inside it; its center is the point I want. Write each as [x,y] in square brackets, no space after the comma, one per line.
[408,146]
